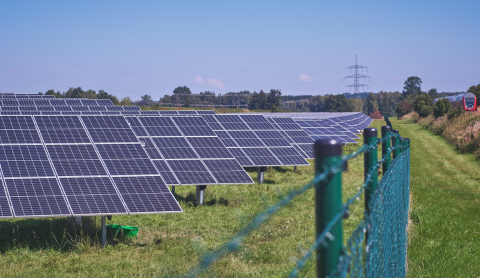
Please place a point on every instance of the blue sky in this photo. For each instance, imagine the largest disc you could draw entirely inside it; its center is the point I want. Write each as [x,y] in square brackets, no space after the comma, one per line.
[299,47]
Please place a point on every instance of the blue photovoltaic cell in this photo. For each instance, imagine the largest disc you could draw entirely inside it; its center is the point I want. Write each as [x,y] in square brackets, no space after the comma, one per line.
[41,102]
[166,173]
[163,131]
[205,112]
[73,102]
[209,147]
[174,148]
[187,112]
[45,108]
[131,108]
[240,156]
[215,126]
[11,108]
[150,148]
[191,172]
[89,102]
[19,137]
[167,112]
[4,206]
[92,195]
[64,136]
[289,156]
[130,167]
[80,108]
[121,151]
[26,102]
[97,108]
[36,197]
[104,102]
[228,171]
[112,135]
[193,126]
[261,157]
[10,102]
[58,102]
[146,194]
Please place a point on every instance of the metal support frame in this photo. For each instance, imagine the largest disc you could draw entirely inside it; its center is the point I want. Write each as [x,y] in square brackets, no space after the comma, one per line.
[328,202]
[261,174]
[295,168]
[104,230]
[200,194]
[173,190]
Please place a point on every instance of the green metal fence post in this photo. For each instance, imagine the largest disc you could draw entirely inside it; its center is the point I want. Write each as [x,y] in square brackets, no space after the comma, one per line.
[386,130]
[328,203]
[370,161]
[396,143]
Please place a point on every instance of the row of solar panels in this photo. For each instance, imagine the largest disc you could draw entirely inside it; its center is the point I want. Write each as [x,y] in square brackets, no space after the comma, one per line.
[97,165]
[22,96]
[55,102]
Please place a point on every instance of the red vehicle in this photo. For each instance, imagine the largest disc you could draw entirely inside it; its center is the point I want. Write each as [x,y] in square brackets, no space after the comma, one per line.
[467,101]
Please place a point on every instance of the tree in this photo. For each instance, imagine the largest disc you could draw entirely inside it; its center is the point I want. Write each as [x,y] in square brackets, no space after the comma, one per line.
[187,102]
[372,103]
[433,93]
[476,91]
[413,85]
[403,108]
[262,100]
[274,98]
[182,90]
[421,101]
[126,101]
[338,103]
[315,104]
[442,107]
[253,103]
[147,98]
[425,111]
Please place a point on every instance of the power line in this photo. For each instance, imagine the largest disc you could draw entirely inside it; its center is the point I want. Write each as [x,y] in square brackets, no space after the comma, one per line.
[356,76]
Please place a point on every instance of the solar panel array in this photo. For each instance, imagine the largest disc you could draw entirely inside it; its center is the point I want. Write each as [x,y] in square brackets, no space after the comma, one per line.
[77,165]
[295,135]
[186,151]
[253,141]
[32,96]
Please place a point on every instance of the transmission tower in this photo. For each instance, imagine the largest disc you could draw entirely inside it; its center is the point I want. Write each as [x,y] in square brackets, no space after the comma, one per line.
[356,76]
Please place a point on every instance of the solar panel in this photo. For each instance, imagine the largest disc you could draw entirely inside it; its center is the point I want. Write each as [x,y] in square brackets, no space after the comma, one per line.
[48,172]
[186,151]
[293,133]
[251,138]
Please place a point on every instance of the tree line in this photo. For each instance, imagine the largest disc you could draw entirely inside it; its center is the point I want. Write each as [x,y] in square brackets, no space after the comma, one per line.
[89,94]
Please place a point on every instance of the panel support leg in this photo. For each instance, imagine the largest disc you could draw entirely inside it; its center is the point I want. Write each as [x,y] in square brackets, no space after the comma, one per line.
[200,196]
[260,174]
[78,221]
[173,190]
[295,168]
[104,230]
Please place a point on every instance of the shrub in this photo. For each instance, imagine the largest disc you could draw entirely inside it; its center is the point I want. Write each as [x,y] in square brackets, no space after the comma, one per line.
[425,111]
[439,125]
[455,112]
[376,115]
[422,101]
[442,107]
[427,121]
[412,116]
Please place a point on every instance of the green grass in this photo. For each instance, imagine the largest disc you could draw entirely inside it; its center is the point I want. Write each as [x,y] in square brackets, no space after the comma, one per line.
[444,235]
[444,231]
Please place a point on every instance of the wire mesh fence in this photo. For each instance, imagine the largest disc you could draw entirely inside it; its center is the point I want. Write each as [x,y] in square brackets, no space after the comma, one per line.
[377,247]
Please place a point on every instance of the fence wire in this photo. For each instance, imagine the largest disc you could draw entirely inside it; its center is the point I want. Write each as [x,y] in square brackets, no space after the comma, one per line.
[380,254]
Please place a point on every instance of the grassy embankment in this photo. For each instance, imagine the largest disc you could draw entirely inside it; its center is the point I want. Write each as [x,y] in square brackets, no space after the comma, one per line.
[444,236]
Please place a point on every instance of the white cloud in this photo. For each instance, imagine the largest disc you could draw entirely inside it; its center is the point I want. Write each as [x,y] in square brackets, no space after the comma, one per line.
[209,82]
[305,78]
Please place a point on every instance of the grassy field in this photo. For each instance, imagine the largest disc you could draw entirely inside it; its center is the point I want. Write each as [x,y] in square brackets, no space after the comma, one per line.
[444,239]
[444,232]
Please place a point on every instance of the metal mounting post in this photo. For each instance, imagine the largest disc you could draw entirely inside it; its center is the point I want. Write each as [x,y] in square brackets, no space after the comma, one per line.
[328,202]
[370,161]
[104,230]
[173,190]
[295,168]
[200,194]
[261,174]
